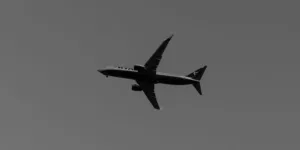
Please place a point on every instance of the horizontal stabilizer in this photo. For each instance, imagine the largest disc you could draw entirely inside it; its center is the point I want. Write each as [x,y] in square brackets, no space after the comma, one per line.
[198,87]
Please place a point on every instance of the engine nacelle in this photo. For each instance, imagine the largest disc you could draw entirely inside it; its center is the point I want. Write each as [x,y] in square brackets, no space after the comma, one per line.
[136,87]
[139,68]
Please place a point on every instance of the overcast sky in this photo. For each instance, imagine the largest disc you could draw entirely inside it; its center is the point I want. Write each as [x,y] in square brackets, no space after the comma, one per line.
[53,98]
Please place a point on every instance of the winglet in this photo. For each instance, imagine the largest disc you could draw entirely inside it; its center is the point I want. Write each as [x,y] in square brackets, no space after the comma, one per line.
[169,38]
[159,109]
[165,43]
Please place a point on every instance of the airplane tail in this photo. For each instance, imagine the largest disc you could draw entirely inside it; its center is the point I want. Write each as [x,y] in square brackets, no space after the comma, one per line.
[197,75]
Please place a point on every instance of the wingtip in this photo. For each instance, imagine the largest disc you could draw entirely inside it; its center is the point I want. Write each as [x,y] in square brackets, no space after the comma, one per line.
[157,109]
[169,38]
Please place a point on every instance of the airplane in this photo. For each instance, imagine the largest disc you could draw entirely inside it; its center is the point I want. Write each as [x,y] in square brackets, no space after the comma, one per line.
[146,76]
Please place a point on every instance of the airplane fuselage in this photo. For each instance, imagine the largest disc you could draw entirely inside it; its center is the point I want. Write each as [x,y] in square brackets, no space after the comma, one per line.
[155,77]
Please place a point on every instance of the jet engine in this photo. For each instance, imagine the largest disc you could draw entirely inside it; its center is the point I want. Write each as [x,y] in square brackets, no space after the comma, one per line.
[139,68]
[136,87]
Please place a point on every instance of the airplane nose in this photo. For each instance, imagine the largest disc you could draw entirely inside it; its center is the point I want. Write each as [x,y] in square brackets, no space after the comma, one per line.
[101,71]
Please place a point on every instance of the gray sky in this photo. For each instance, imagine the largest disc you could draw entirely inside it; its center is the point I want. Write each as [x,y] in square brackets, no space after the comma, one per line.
[52,97]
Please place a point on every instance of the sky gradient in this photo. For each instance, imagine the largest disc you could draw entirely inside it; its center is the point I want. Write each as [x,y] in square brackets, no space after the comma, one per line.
[52,96]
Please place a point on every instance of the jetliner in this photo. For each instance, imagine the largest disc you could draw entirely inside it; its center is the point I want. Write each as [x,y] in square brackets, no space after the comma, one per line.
[146,75]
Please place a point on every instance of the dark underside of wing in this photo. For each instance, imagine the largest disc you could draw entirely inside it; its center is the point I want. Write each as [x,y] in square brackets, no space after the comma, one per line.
[148,89]
[154,60]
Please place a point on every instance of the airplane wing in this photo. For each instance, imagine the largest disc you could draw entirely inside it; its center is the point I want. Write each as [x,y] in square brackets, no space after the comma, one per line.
[154,60]
[148,89]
